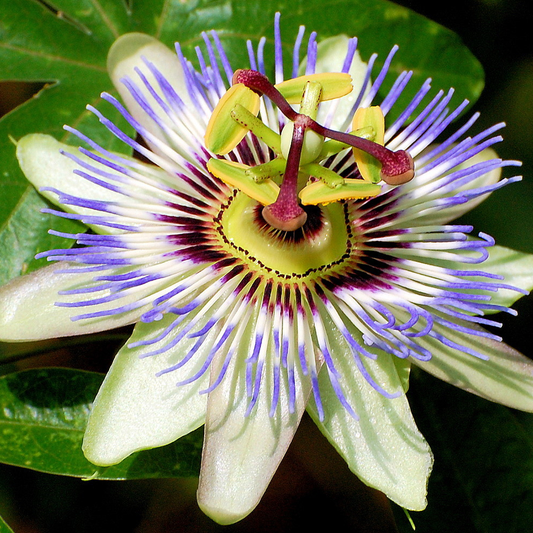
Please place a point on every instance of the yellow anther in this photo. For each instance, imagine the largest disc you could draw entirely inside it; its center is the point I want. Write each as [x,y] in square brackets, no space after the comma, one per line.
[334,85]
[369,166]
[352,189]
[223,133]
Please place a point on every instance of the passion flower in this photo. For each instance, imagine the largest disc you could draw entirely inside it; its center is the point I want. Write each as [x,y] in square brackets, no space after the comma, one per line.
[273,258]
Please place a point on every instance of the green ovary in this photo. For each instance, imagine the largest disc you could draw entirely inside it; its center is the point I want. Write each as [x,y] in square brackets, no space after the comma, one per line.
[266,246]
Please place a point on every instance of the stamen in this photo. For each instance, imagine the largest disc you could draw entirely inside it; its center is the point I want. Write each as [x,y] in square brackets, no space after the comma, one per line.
[396,167]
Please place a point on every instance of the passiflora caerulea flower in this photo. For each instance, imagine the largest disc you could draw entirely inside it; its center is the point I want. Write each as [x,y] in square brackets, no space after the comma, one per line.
[282,245]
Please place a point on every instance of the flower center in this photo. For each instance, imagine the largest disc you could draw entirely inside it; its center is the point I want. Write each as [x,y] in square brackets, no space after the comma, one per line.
[322,241]
[295,177]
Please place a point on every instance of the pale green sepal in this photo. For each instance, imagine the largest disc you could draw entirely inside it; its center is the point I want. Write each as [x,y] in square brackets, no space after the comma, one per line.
[403,367]
[331,54]
[44,165]
[135,409]
[241,453]
[128,53]
[384,448]
[28,313]
[506,378]
[443,216]
[515,267]
[125,55]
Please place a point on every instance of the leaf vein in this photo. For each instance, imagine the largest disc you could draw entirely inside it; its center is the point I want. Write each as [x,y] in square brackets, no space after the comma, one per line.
[105,19]
[52,57]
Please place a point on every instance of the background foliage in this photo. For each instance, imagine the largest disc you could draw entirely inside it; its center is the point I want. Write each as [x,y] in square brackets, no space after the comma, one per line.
[483,477]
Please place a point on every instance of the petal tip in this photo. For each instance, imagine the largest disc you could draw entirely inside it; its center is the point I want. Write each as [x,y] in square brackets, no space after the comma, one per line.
[32,146]
[99,457]
[126,46]
[97,450]
[220,513]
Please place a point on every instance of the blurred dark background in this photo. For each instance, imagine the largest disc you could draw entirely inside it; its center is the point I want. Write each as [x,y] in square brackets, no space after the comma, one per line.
[313,487]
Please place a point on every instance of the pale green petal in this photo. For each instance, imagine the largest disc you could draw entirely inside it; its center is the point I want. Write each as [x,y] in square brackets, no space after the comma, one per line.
[135,409]
[126,55]
[241,453]
[451,213]
[515,267]
[384,448]
[506,378]
[27,310]
[44,165]
[331,54]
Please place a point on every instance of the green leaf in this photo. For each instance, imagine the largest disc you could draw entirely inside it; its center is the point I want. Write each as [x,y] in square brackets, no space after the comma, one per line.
[4,528]
[68,52]
[43,414]
[64,43]
[483,474]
